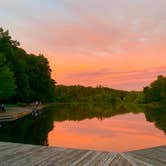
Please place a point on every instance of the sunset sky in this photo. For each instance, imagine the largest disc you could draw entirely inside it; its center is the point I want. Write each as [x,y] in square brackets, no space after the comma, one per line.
[115,43]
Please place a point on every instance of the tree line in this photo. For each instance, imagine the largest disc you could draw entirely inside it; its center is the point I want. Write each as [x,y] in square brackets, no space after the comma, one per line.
[23,77]
[156,91]
[27,77]
[77,93]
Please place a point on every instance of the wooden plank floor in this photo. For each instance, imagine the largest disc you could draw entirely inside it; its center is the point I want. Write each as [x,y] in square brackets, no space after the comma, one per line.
[16,113]
[14,154]
[153,156]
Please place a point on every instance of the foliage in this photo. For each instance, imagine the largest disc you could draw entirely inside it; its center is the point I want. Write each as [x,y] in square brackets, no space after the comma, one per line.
[157,115]
[156,92]
[31,73]
[88,94]
[134,97]
[7,88]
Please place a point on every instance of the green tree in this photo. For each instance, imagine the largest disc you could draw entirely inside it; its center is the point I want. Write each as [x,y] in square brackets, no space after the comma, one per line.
[40,82]
[7,83]
[32,73]
[156,92]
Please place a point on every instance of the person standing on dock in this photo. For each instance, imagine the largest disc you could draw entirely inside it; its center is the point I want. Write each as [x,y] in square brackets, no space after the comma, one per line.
[37,103]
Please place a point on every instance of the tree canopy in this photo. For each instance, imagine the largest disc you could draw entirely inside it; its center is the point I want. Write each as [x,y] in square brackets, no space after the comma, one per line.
[77,93]
[7,81]
[156,92]
[28,75]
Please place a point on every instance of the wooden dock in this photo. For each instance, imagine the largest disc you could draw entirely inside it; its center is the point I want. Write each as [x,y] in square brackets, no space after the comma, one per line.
[16,113]
[14,154]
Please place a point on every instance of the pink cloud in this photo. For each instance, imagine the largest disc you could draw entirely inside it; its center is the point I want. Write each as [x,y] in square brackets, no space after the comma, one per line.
[115,79]
[86,38]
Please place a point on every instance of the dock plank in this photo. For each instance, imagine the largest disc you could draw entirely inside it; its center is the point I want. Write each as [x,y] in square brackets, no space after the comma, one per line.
[16,113]
[150,156]
[15,154]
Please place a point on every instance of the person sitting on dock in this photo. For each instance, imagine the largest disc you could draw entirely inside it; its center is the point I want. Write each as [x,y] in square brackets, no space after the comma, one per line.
[35,112]
[3,108]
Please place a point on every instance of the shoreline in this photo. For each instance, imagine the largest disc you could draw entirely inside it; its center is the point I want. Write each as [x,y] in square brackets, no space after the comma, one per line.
[14,113]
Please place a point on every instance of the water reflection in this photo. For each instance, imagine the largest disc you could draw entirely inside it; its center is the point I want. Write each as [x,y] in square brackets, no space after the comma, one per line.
[99,127]
[119,133]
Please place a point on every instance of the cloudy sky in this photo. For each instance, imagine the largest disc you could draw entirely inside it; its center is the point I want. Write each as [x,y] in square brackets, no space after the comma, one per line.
[119,44]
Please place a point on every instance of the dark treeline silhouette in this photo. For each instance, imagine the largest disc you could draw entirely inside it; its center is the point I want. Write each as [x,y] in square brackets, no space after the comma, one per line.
[156,92]
[77,93]
[23,77]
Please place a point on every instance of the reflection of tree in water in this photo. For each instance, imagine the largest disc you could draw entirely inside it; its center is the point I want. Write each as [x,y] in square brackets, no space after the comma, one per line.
[30,130]
[158,116]
[82,111]
[33,130]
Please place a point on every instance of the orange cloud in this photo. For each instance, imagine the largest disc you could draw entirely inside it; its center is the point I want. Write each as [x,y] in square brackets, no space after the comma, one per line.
[79,37]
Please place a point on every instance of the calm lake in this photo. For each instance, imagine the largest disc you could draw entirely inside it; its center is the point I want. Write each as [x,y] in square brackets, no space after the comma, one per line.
[98,127]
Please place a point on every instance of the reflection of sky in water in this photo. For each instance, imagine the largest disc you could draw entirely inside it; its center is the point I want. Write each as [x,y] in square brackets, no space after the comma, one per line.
[119,133]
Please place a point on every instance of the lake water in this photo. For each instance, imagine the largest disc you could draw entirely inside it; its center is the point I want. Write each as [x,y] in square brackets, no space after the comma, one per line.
[104,128]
